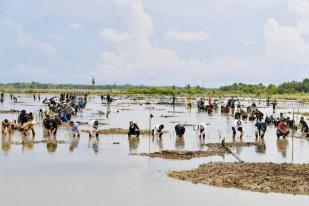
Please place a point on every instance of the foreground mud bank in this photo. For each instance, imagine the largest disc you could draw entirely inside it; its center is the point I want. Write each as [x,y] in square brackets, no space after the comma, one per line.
[259,177]
[121,131]
[184,155]
[214,149]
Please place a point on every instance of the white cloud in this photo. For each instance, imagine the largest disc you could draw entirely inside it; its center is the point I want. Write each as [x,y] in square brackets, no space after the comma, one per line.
[26,70]
[140,61]
[250,43]
[114,36]
[188,36]
[300,7]
[27,41]
[76,26]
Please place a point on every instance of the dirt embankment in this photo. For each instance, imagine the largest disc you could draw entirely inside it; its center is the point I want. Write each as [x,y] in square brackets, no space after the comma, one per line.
[259,177]
[183,155]
[121,131]
[231,144]
[38,142]
[12,111]
[214,149]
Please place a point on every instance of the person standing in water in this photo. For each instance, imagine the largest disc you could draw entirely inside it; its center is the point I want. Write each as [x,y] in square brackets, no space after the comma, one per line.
[158,130]
[189,103]
[173,100]
[201,130]
[108,99]
[93,128]
[133,129]
[74,128]
[274,105]
[238,128]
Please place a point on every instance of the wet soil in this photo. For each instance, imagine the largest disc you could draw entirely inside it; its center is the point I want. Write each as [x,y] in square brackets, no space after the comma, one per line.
[183,155]
[214,149]
[39,142]
[121,131]
[259,177]
[8,111]
[231,144]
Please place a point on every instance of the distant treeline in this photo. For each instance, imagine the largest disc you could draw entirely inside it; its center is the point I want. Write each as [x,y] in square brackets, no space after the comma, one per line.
[129,89]
[284,88]
[237,88]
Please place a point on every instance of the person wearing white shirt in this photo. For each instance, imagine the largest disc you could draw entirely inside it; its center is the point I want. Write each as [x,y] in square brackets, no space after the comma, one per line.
[201,130]
[237,127]
[93,128]
[158,130]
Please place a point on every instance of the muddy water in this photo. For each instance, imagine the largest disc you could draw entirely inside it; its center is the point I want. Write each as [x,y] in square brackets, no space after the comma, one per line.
[31,175]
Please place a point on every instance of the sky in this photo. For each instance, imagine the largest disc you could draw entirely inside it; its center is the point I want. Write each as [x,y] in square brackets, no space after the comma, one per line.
[154,42]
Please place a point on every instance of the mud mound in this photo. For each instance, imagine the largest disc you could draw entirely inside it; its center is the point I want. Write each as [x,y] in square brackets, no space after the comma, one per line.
[259,177]
[121,131]
[39,142]
[231,144]
[184,155]
[8,111]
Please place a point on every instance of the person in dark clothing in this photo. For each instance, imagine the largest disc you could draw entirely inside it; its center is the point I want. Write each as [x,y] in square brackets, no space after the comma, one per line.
[22,118]
[282,129]
[261,128]
[304,126]
[108,99]
[274,105]
[180,130]
[133,129]
[51,126]
[173,100]
[2,97]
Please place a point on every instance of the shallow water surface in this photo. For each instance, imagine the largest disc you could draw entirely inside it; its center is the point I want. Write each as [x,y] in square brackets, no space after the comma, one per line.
[33,175]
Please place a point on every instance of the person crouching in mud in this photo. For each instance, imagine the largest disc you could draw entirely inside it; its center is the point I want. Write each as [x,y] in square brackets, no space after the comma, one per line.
[304,127]
[74,129]
[238,128]
[282,129]
[93,128]
[261,128]
[50,125]
[158,130]
[180,130]
[201,130]
[133,129]
[6,127]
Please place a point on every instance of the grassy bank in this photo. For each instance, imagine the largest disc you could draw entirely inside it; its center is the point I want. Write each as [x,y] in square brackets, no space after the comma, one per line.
[178,91]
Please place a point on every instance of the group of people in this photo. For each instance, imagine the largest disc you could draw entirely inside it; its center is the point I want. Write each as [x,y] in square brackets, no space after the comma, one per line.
[62,109]
[24,123]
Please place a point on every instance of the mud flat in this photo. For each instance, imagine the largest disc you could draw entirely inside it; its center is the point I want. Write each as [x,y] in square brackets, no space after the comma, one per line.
[39,142]
[214,149]
[258,177]
[8,111]
[121,131]
[231,144]
[183,155]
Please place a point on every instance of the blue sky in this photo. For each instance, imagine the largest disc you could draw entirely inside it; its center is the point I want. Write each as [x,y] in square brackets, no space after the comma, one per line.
[154,42]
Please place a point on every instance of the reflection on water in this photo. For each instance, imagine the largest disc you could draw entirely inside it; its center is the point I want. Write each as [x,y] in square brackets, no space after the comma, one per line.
[180,143]
[133,144]
[74,141]
[158,141]
[94,143]
[282,145]
[261,146]
[6,143]
[102,163]
[51,144]
[27,143]
[201,143]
